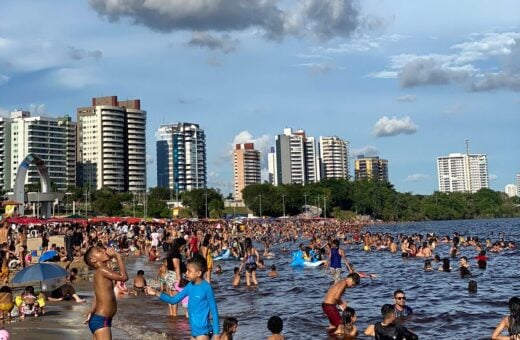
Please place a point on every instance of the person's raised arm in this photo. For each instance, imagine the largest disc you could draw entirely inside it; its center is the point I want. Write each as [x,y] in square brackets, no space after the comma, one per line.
[504,323]
[112,275]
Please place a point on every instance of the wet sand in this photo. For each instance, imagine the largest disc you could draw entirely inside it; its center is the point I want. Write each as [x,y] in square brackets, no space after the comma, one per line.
[62,320]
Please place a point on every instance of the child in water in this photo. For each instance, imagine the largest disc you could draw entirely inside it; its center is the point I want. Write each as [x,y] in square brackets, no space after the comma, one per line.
[273,272]
[348,318]
[229,327]
[236,276]
[179,286]
[201,301]
[104,306]
[275,326]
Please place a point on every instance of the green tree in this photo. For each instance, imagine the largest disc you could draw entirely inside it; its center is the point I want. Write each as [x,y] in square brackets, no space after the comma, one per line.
[200,201]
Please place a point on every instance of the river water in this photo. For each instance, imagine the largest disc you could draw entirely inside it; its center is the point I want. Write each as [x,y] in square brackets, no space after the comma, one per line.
[443,308]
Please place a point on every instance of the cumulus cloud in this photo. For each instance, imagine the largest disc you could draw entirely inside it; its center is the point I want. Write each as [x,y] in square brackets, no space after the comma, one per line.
[367,151]
[495,81]
[206,40]
[79,53]
[37,110]
[323,19]
[427,71]
[407,98]
[473,63]
[416,177]
[262,143]
[386,127]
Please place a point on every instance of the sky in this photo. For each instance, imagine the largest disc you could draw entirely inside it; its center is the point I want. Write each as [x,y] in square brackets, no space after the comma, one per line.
[407,81]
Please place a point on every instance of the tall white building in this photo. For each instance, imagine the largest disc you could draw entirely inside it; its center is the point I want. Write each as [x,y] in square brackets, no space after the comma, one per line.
[70,148]
[296,158]
[181,157]
[333,157]
[511,190]
[111,145]
[246,168]
[5,153]
[462,172]
[44,137]
[518,184]
[271,166]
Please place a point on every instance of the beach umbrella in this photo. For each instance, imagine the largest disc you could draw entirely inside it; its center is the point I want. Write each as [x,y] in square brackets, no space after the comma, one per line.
[48,255]
[39,272]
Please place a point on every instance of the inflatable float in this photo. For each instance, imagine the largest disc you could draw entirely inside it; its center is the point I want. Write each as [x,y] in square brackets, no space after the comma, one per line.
[299,261]
[226,256]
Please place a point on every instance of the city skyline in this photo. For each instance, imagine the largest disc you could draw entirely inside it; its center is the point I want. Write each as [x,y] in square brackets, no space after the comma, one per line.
[389,77]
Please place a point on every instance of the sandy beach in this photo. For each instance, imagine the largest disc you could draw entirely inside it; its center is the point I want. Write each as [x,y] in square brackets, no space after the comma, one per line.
[64,319]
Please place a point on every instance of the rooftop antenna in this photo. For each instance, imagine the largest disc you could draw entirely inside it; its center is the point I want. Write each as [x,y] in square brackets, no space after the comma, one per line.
[467,146]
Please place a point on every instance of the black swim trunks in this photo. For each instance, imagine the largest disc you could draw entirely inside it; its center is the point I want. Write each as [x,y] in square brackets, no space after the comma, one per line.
[250,267]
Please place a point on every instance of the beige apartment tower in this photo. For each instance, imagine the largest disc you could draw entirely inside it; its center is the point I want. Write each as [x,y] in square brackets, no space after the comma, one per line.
[371,168]
[246,167]
[111,145]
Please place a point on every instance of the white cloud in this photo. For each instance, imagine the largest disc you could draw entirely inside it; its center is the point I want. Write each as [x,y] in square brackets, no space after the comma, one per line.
[321,19]
[3,79]
[407,98]
[386,127]
[493,177]
[367,150]
[206,40]
[361,44]
[468,65]
[262,144]
[416,177]
[37,110]
[75,78]
[383,75]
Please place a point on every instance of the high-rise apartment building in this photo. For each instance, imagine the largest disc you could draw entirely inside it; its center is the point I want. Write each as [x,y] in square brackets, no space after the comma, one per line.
[44,137]
[181,157]
[371,168]
[5,153]
[333,157]
[70,148]
[518,184]
[462,172]
[271,166]
[296,158]
[246,167]
[511,190]
[111,145]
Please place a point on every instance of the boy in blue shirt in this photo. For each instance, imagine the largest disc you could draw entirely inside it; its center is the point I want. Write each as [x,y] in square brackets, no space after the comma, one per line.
[201,301]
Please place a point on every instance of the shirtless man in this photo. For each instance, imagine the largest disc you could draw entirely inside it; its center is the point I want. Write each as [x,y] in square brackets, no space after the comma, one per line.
[4,233]
[104,306]
[333,299]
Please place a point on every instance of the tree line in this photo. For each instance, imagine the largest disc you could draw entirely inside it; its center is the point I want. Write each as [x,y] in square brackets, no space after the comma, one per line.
[338,198]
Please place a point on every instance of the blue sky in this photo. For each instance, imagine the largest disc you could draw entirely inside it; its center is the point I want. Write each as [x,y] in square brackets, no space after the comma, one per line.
[405,80]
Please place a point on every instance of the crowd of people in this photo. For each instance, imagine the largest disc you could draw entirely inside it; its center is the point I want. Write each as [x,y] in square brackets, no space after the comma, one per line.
[187,250]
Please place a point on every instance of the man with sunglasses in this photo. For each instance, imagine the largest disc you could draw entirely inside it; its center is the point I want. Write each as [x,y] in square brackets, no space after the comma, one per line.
[401,310]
